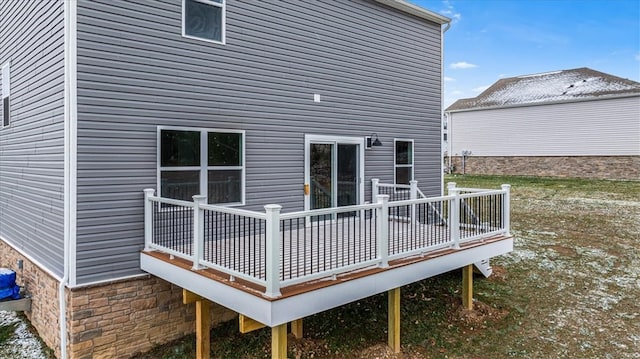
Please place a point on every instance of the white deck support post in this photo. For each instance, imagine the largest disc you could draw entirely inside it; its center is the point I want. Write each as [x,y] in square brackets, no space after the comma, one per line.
[273,250]
[383,230]
[506,208]
[454,215]
[374,189]
[414,195]
[148,218]
[198,231]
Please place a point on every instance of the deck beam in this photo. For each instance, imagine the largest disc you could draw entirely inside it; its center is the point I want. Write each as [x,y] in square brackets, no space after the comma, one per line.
[248,325]
[467,287]
[279,342]
[394,319]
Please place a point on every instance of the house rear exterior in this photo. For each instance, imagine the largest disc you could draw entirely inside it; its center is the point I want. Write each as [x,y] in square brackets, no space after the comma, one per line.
[103,99]
[569,123]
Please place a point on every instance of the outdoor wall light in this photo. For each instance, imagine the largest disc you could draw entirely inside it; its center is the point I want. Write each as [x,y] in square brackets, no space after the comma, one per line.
[373,142]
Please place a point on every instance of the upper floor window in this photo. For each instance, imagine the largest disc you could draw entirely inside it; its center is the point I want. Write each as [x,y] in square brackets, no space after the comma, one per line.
[200,161]
[403,157]
[6,94]
[204,20]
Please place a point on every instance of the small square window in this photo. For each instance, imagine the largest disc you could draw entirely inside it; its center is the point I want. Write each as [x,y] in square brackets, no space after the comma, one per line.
[204,19]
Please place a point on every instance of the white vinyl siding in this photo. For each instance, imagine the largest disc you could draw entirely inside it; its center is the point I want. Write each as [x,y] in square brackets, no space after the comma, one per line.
[609,127]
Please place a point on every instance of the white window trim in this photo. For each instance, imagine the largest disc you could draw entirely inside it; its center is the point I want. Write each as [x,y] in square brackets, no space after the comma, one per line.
[203,168]
[6,92]
[223,35]
[396,165]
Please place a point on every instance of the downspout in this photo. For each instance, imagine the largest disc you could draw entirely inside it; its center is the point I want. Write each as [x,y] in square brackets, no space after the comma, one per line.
[70,12]
[442,31]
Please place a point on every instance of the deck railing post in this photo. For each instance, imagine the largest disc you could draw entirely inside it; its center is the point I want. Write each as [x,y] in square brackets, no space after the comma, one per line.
[148,218]
[273,250]
[454,215]
[506,208]
[382,230]
[413,195]
[374,189]
[198,230]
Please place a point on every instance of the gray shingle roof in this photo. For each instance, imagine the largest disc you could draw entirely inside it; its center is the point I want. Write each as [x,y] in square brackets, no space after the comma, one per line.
[565,85]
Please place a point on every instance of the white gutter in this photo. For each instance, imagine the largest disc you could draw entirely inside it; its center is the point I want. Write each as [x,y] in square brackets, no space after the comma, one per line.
[70,164]
[416,10]
[442,31]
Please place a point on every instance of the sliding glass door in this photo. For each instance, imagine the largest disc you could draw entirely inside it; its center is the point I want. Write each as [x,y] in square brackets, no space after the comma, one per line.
[334,171]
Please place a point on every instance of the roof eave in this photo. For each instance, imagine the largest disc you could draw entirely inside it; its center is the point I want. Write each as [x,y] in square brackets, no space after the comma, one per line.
[416,10]
[585,99]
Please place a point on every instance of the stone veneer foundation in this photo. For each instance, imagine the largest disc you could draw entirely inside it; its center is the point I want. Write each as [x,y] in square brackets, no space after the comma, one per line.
[110,320]
[595,167]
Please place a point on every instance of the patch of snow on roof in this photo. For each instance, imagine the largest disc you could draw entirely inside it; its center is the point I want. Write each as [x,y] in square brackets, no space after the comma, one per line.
[553,87]
[556,86]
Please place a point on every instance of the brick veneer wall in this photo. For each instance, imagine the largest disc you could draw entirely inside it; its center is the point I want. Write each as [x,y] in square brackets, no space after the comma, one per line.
[122,318]
[43,288]
[596,167]
[111,320]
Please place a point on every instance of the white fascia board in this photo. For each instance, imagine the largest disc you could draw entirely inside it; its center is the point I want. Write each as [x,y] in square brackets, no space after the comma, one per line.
[416,11]
[280,311]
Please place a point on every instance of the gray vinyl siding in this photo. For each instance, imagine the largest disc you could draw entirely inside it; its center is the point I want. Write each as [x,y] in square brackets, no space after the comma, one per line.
[32,148]
[608,127]
[376,69]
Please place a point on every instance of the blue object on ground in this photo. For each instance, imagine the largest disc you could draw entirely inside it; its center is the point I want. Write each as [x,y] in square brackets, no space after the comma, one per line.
[8,287]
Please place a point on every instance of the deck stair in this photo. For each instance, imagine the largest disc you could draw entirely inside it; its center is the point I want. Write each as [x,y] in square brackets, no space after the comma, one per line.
[484,267]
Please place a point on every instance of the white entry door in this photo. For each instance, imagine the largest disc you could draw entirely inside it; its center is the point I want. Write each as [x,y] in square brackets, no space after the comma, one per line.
[334,171]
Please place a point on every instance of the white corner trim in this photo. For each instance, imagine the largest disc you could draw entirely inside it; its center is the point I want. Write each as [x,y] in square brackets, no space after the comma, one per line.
[70,163]
[70,139]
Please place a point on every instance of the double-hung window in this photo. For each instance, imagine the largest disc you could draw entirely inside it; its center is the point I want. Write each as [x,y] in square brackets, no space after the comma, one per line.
[204,20]
[195,161]
[403,161]
[6,94]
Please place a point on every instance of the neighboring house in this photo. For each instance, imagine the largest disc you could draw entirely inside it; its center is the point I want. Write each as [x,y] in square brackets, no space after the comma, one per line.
[569,123]
[247,103]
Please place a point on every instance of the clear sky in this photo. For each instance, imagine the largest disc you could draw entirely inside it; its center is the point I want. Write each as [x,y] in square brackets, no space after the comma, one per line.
[492,39]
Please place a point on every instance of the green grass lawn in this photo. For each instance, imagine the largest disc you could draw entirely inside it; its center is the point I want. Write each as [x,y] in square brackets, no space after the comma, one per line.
[571,289]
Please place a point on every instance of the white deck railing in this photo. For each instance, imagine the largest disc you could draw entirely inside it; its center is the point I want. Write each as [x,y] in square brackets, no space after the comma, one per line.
[275,250]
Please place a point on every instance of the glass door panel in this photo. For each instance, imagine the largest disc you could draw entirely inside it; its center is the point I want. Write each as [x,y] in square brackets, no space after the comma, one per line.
[348,176]
[321,175]
[334,176]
